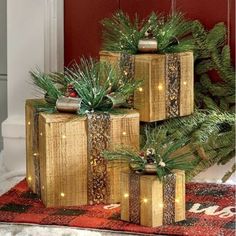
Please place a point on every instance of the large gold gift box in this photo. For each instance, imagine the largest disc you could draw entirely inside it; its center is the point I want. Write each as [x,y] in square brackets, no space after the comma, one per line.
[64,165]
[168,80]
[149,202]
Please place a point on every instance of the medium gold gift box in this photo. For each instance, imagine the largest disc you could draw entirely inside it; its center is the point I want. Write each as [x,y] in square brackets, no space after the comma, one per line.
[168,81]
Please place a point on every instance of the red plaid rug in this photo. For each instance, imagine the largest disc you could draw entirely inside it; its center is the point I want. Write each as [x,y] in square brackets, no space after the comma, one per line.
[210,211]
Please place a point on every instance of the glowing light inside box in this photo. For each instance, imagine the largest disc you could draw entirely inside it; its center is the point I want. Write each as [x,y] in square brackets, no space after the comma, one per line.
[126,195]
[177,200]
[145,200]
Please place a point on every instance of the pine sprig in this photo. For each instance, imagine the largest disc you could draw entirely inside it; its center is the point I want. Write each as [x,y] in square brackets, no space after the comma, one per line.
[214,55]
[46,84]
[164,162]
[173,33]
[211,131]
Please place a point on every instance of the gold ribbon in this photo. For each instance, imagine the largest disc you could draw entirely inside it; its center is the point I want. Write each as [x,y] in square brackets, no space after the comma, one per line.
[127,67]
[173,75]
[134,198]
[169,182]
[36,158]
[98,140]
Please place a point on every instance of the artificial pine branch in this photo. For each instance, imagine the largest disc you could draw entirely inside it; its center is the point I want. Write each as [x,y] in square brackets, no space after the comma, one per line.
[160,155]
[45,83]
[100,86]
[229,173]
[214,55]
[173,33]
[209,131]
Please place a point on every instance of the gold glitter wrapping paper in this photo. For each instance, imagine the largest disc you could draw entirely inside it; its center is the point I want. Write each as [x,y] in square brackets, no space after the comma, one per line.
[168,80]
[99,127]
[63,155]
[158,202]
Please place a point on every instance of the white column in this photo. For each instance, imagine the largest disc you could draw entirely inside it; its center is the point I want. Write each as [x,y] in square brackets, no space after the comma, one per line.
[35,39]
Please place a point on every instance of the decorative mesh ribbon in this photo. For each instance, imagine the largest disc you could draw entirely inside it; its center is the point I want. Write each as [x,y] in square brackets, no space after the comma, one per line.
[36,157]
[173,75]
[127,65]
[98,140]
[168,198]
[134,198]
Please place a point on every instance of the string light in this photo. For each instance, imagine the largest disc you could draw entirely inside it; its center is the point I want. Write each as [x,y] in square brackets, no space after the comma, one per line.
[126,195]
[42,187]
[29,123]
[145,200]
[124,133]
[29,178]
[41,134]
[161,205]
[125,72]
[35,154]
[177,200]
[160,87]
[63,136]
[140,89]
[184,82]
[62,194]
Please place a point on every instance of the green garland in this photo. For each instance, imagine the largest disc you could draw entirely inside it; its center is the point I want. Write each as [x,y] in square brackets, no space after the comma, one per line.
[211,136]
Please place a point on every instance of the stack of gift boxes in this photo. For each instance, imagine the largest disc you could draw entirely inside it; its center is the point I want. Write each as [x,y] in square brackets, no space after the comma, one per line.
[64,162]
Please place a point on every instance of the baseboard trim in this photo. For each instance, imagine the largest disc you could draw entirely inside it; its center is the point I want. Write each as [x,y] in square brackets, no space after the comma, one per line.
[14,127]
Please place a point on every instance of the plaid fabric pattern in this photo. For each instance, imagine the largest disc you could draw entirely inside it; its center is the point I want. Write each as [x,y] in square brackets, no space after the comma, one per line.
[210,211]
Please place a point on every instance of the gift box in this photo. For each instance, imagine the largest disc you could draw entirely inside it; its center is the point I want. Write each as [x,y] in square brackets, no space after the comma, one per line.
[168,81]
[150,202]
[64,165]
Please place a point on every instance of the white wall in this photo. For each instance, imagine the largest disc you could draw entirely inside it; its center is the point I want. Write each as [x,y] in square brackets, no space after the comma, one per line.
[35,39]
[3,65]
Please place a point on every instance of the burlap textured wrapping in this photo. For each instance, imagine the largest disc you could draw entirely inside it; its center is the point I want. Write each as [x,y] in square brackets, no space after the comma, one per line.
[36,158]
[98,140]
[134,198]
[173,75]
[169,199]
